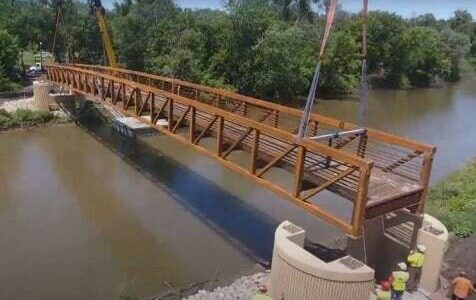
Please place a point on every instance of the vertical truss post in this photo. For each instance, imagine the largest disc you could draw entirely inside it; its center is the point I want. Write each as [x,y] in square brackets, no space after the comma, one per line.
[299,172]
[171,114]
[192,124]
[219,136]
[360,204]
[424,180]
[123,94]
[138,102]
[254,152]
[152,107]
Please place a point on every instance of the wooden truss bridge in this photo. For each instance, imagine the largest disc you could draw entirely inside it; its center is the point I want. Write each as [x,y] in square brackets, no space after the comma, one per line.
[378,172]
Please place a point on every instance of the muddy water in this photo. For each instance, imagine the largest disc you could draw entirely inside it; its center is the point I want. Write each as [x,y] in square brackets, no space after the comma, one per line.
[87,214]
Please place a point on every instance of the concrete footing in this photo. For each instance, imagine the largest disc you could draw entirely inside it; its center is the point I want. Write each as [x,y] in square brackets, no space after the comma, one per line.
[298,275]
[41,95]
[434,236]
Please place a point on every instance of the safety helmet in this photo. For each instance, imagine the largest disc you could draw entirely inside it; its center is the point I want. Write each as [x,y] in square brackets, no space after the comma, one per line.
[421,248]
[402,266]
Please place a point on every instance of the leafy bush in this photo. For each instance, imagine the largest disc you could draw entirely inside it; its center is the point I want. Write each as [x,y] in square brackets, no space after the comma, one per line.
[24,117]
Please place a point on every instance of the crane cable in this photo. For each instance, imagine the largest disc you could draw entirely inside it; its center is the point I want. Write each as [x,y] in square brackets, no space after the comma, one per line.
[313,89]
[364,92]
[59,23]
[364,86]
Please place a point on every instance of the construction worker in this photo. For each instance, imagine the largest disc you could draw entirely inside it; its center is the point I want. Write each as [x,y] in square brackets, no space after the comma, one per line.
[461,287]
[262,294]
[415,260]
[383,291]
[399,281]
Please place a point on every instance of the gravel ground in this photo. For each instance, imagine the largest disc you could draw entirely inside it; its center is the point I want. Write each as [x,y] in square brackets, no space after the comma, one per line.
[27,103]
[241,289]
[13,105]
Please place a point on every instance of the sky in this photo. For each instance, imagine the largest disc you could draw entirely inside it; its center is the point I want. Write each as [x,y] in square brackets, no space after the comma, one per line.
[442,9]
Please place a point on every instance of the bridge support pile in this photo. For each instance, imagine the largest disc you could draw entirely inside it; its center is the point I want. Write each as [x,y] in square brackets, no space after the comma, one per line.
[297,274]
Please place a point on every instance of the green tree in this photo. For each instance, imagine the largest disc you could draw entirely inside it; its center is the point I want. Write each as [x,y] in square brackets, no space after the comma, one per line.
[455,46]
[423,58]
[462,22]
[295,9]
[249,19]
[8,58]
[385,32]
[135,28]
[284,62]
[341,65]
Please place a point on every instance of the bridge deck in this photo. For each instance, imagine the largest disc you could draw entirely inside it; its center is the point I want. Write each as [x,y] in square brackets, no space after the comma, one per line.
[377,171]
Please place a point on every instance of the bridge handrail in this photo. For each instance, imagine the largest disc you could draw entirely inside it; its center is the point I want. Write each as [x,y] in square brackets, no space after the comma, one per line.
[372,133]
[345,157]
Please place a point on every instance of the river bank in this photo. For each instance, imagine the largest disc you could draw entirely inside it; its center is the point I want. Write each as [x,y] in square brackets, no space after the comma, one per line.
[453,201]
[22,114]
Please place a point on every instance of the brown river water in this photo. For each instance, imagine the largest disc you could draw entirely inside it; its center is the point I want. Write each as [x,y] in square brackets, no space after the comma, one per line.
[88,214]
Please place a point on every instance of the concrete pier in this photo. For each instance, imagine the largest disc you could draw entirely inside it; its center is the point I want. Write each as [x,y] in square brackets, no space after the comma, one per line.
[299,275]
[41,94]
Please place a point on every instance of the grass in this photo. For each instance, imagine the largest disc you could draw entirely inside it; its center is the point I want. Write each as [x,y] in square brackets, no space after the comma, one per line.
[453,201]
[24,118]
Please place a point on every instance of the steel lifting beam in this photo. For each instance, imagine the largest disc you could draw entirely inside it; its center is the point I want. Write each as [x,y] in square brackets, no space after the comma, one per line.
[335,135]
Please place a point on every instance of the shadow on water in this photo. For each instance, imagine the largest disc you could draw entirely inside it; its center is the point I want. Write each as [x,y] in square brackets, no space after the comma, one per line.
[250,230]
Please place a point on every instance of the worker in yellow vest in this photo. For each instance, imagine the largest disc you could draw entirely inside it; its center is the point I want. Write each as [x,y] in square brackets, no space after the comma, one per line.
[416,260]
[383,291]
[399,281]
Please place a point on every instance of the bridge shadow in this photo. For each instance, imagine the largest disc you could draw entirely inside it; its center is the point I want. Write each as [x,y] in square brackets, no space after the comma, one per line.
[251,231]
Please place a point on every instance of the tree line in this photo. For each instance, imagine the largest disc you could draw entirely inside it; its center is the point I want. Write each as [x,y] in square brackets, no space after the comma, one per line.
[264,48]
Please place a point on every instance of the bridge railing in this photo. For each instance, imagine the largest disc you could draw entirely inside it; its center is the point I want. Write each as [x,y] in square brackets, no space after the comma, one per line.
[393,154]
[269,146]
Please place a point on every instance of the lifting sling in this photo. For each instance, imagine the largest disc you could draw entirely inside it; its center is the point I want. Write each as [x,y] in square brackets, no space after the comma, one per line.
[313,90]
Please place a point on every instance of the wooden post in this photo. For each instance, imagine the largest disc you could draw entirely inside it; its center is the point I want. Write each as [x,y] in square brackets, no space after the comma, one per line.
[299,172]
[219,136]
[138,102]
[424,180]
[192,124]
[102,88]
[123,95]
[254,152]
[171,114]
[276,119]
[360,204]
[152,107]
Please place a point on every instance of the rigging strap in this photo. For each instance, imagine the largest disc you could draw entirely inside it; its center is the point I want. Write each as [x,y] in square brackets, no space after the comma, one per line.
[315,81]
[364,86]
